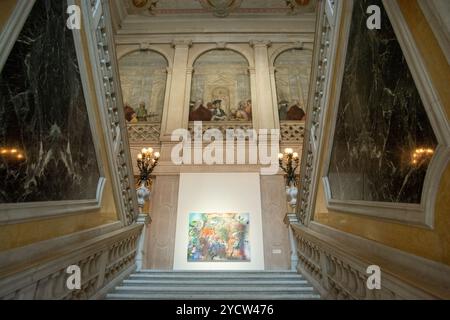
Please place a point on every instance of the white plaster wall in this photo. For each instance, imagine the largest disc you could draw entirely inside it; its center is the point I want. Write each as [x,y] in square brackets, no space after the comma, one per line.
[219,192]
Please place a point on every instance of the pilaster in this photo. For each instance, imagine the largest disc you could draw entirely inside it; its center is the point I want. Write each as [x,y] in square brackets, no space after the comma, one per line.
[264,100]
[173,117]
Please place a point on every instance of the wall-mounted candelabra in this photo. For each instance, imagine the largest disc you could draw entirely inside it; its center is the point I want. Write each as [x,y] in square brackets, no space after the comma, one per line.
[289,162]
[147,160]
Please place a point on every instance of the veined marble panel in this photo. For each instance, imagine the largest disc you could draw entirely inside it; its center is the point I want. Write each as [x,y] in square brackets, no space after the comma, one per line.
[46,147]
[383,140]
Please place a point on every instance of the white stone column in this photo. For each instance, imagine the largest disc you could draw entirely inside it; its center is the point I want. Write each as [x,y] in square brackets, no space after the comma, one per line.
[174,114]
[265,109]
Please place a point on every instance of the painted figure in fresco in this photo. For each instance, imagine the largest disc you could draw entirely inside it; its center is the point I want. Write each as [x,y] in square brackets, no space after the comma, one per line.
[218,113]
[129,112]
[248,109]
[141,112]
[241,114]
[295,112]
[200,113]
[283,109]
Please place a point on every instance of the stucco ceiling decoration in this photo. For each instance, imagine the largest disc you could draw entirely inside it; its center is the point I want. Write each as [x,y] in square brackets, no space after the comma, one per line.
[221,8]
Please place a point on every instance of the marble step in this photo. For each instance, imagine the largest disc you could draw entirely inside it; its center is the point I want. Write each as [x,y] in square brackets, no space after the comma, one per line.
[219,282]
[240,272]
[207,296]
[152,271]
[213,288]
[214,285]
[215,275]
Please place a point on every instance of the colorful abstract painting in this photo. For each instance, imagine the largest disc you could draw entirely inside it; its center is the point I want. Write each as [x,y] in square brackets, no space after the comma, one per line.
[219,237]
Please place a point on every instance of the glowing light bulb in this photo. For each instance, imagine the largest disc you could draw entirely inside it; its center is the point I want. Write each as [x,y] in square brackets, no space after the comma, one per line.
[280,156]
[295,155]
[139,156]
[289,151]
[157,155]
[150,150]
[13,151]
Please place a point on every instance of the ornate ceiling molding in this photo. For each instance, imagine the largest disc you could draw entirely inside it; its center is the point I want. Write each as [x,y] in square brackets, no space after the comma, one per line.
[221,8]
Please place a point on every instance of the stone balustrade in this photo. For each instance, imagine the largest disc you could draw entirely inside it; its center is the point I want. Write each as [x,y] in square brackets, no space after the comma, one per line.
[104,261]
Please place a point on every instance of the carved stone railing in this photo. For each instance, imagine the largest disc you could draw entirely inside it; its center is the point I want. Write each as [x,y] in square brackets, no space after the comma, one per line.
[339,272]
[143,132]
[292,131]
[108,91]
[317,102]
[102,261]
[222,126]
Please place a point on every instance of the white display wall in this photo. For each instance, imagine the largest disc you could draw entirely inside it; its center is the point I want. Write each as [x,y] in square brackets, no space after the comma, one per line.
[219,193]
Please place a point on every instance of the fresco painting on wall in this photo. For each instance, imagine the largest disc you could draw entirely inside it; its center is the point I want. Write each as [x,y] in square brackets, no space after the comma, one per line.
[219,237]
[293,68]
[143,76]
[221,88]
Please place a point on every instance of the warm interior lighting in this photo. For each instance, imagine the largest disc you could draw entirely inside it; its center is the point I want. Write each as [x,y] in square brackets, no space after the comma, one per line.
[147,161]
[421,154]
[12,154]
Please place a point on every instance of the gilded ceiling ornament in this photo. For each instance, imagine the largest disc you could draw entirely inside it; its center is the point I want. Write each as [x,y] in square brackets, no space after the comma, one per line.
[295,5]
[140,3]
[149,4]
[221,8]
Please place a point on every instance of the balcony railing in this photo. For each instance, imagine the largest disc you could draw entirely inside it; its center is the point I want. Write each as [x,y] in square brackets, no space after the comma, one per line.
[144,132]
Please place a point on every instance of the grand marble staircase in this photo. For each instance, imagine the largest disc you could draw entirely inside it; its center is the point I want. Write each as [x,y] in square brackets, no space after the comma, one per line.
[214,285]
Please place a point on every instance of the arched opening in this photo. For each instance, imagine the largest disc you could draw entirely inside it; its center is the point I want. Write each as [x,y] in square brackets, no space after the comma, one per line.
[143,76]
[220,88]
[293,69]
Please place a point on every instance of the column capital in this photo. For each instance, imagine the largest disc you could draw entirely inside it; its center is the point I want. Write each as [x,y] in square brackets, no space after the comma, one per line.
[260,43]
[190,71]
[251,71]
[181,43]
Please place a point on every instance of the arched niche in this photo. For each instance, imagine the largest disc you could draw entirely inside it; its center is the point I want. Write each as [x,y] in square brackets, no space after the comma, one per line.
[143,76]
[221,89]
[292,78]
